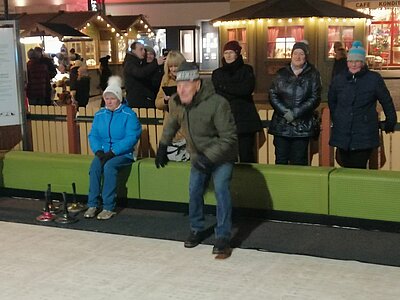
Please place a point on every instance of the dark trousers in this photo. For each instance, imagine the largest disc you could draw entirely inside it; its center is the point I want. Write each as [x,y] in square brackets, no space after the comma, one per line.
[354,158]
[246,147]
[293,151]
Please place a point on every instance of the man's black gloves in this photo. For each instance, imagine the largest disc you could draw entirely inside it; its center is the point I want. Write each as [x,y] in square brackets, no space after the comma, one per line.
[161,157]
[387,126]
[104,157]
[203,164]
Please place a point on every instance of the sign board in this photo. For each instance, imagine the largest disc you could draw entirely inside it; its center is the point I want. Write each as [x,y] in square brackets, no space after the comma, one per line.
[10,75]
[357,4]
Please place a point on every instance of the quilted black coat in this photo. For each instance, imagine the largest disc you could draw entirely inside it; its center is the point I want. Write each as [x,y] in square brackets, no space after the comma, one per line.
[301,94]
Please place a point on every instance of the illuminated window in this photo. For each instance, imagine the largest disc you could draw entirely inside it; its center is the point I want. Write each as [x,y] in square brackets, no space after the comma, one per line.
[281,40]
[105,48]
[122,46]
[90,53]
[344,34]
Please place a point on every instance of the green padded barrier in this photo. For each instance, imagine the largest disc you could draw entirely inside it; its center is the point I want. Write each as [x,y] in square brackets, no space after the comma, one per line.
[287,188]
[367,194]
[34,170]
[164,184]
[284,188]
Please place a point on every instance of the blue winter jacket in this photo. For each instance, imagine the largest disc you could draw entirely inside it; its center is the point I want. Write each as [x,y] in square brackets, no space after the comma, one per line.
[352,100]
[117,131]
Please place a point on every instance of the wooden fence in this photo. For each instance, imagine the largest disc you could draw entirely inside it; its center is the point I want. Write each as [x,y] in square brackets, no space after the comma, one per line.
[64,130]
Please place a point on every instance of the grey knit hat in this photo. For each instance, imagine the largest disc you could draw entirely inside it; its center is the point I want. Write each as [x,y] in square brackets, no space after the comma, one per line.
[188,71]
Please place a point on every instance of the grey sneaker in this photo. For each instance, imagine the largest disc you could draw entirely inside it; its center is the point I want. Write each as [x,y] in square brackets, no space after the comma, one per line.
[105,214]
[91,212]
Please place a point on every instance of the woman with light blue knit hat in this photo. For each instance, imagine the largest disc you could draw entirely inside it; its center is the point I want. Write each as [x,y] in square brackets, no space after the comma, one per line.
[352,99]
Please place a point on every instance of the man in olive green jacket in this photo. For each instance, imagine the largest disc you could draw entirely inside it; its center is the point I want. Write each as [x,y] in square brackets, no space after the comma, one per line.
[207,123]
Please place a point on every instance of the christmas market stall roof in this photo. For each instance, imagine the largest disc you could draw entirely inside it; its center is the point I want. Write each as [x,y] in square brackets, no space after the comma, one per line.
[124,23]
[77,19]
[64,32]
[275,9]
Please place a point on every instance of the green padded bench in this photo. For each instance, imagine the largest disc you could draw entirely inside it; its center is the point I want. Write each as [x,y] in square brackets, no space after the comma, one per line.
[366,194]
[286,188]
[170,184]
[34,170]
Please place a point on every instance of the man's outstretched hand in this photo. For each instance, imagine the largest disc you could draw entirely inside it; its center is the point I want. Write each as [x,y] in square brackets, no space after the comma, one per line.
[161,157]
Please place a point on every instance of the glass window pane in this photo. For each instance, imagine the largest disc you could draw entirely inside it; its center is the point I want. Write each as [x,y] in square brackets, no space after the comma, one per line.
[281,40]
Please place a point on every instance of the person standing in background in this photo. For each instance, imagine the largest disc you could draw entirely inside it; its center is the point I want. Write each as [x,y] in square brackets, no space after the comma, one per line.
[136,74]
[38,87]
[155,77]
[73,74]
[177,150]
[352,99]
[235,81]
[82,87]
[295,93]
[105,74]
[340,64]
[73,55]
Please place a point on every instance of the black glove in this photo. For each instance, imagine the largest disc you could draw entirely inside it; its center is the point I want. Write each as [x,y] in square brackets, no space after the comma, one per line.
[107,156]
[100,154]
[388,127]
[203,164]
[161,157]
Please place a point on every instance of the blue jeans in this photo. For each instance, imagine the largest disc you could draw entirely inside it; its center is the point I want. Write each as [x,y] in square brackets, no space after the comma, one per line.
[222,175]
[109,172]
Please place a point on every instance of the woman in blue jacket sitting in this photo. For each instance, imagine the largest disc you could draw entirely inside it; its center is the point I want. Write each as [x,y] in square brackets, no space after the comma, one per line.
[114,134]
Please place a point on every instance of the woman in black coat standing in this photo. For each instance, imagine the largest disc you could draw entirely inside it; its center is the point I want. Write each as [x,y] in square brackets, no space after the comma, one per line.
[294,95]
[352,99]
[235,81]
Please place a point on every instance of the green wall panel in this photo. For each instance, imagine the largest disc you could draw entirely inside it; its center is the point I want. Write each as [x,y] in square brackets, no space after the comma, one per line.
[288,188]
[367,194]
[34,170]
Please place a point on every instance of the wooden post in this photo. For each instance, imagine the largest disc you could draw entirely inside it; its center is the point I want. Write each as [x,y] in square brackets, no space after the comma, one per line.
[73,132]
[325,151]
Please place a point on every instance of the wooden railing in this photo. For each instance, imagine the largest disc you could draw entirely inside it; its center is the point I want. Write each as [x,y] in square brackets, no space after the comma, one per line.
[64,130]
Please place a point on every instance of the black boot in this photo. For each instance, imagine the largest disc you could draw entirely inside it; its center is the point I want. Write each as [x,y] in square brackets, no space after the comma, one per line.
[193,240]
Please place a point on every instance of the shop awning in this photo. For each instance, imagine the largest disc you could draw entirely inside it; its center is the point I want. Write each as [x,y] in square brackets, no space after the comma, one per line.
[275,9]
[63,31]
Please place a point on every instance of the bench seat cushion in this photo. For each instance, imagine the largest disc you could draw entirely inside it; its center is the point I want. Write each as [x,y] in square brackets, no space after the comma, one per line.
[367,194]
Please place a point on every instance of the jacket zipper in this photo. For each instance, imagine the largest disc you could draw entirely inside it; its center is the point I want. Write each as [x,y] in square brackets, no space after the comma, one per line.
[109,130]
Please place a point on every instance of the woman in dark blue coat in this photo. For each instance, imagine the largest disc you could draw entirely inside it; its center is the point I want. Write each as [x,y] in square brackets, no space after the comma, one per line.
[352,99]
